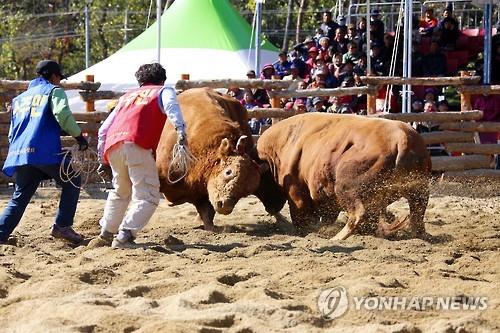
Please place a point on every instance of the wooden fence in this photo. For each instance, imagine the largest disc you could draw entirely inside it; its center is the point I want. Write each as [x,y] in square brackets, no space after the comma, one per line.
[459,129]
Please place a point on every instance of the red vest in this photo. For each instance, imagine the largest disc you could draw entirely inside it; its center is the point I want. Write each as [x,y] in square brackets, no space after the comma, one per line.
[138,119]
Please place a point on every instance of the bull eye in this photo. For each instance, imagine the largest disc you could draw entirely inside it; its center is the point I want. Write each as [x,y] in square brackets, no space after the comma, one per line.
[228,173]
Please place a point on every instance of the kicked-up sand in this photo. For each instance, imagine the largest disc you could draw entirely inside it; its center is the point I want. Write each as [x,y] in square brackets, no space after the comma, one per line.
[255,274]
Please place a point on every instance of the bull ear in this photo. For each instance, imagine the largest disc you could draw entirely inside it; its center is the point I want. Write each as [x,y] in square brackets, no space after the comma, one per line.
[263,168]
[241,145]
[225,148]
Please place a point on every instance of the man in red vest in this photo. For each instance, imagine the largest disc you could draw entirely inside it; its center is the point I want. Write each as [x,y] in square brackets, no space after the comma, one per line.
[127,142]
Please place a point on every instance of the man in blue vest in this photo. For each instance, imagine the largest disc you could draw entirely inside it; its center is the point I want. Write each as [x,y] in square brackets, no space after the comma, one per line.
[38,116]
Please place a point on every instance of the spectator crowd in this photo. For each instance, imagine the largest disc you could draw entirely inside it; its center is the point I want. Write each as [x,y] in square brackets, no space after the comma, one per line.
[336,56]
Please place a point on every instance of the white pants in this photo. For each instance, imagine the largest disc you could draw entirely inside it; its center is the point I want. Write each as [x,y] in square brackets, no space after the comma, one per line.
[135,178]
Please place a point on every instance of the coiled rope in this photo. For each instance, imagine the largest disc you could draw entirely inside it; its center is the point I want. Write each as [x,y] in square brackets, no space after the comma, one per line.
[77,163]
[182,159]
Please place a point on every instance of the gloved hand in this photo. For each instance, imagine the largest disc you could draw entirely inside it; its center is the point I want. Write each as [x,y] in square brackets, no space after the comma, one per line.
[105,172]
[82,143]
[181,138]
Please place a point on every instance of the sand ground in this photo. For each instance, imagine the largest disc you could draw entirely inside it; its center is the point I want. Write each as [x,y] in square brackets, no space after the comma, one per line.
[254,275]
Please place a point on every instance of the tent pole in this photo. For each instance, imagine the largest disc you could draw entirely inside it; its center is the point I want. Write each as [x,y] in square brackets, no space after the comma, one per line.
[487,42]
[258,26]
[158,20]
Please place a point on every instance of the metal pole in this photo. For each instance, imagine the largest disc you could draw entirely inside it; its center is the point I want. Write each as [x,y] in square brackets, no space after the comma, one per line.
[158,20]
[487,43]
[368,38]
[410,49]
[87,33]
[258,26]
[406,105]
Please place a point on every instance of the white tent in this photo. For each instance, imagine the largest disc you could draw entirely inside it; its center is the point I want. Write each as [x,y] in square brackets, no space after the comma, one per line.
[206,39]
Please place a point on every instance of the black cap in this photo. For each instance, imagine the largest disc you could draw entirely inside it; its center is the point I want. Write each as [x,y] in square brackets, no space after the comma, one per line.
[251,73]
[317,100]
[49,67]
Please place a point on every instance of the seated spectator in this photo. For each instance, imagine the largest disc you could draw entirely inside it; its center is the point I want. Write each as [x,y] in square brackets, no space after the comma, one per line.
[302,49]
[430,95]
[299,64]
[260,95]
[267,72]
[294,74]
[361,31]
[255,125]
[447,30]
[235,92]
[353,36]
[434,63]
[324,43]
[319,65]
[417,106]
[312,55]
[282,67]
[347,72]
[336,66]
[428,23]
[360,68]
[318,105]
[300,106]
[249,101]
[377,28]
[443,106]
[352,54]
[339,42]
[380,66]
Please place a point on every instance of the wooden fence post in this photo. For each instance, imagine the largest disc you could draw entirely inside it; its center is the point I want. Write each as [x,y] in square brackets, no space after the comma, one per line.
[275,101]
[89,105]
[465,101]
[371,102]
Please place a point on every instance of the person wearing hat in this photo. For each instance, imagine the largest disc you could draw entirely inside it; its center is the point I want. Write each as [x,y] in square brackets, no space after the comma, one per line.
[379,64]
[282,67]
[294,74]
[267,72]
[447,30]
[260,95]
[377,28]
[128,139]
[38,116]
[318,105]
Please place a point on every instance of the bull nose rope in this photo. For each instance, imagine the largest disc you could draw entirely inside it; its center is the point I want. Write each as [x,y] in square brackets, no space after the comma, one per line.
[81,163]
[180,163]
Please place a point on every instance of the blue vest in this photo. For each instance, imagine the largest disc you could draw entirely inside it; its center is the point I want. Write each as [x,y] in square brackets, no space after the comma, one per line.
[34,134]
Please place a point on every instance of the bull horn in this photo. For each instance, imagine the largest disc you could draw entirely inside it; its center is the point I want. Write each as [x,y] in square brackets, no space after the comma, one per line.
[225,148]
[241,145]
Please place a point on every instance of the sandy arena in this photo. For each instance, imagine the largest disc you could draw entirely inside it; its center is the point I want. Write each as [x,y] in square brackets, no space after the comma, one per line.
[253,276]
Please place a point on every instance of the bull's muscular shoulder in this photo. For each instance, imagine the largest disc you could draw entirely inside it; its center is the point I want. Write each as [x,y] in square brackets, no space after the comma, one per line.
[213,115]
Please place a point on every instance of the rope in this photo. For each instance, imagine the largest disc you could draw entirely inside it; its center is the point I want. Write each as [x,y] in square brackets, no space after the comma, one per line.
[392,68]
[182,159]
[78,163]
[149,13]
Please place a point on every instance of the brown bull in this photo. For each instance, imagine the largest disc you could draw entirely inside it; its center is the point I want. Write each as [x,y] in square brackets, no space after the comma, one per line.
[223,172]
[326,163]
